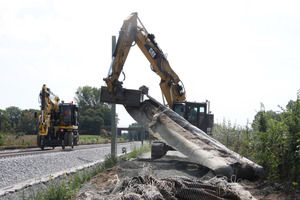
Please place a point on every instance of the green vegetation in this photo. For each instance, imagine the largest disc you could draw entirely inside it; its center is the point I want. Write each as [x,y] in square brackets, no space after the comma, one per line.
[69,185]
[2,139]
[14,121]
[135,152]
[93,114]
[18,139]
[273,141]
[92,139]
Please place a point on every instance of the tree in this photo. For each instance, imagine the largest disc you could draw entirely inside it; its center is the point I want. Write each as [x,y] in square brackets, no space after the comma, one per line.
[106,115]
[276,142]
[88,97]
[91,123]
[93,114]
[291,118]
[260,119]
[15,115]
[29,122]
[5,122]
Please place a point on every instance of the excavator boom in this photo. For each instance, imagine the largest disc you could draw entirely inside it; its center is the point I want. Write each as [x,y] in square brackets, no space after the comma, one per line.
[133,32]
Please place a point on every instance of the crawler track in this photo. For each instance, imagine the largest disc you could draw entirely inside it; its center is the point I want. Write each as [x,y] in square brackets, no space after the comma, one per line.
[34,151]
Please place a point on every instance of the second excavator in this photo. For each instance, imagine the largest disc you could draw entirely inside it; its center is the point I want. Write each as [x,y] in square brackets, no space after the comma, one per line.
[58,122]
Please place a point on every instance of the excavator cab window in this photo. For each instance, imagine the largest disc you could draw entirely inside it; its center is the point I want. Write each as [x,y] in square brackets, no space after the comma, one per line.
[196,114]
[179,109]
[192,113]
[66,114]
[201,114]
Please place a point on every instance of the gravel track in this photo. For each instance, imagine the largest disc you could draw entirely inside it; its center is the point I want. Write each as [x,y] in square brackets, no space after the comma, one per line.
[18,172]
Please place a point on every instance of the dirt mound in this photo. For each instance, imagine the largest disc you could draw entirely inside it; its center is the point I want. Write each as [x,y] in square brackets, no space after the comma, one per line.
[105,179]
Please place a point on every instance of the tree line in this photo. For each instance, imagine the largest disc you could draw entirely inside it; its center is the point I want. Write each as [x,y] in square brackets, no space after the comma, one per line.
[272,140]
[93,115]
[13,120]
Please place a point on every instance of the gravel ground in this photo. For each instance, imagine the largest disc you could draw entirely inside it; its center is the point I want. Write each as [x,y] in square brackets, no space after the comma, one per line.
[17,173]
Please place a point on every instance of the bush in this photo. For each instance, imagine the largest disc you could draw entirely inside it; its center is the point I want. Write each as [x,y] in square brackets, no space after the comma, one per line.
[19,134]
[2,139]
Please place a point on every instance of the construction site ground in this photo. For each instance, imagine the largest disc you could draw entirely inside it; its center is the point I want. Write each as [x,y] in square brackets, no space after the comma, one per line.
[174,164]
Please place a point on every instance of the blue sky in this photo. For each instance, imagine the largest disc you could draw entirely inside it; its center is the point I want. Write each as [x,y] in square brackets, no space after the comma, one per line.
[236,54]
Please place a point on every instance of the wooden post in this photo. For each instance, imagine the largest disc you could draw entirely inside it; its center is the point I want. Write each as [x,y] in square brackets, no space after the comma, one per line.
[113,115]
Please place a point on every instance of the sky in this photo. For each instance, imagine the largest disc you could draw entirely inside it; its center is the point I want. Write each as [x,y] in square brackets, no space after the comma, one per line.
[236,54]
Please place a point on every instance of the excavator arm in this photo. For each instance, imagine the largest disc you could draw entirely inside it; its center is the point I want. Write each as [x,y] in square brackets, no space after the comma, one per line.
[47,104]
[133,32]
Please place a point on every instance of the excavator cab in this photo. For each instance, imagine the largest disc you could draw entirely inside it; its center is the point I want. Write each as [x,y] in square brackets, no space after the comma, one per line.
[68,114]
[197,114]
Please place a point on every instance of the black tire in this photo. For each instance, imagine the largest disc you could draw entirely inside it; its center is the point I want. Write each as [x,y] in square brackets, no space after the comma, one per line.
[63,146]
[75,140]
[158,150]
[38,140]
[42,143]
[65,141]
[70,140]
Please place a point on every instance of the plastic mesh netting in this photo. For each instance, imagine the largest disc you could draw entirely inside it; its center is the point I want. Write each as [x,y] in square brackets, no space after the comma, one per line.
[146,186]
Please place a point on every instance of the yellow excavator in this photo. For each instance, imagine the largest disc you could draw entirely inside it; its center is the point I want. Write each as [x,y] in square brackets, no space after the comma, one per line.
[133,32]
[58,123]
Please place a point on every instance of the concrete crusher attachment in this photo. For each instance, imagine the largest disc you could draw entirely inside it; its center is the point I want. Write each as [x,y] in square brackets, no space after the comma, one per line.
[171,128]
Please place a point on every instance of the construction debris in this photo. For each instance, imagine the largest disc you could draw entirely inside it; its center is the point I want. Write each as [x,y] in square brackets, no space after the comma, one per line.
[145,185]
[171,128]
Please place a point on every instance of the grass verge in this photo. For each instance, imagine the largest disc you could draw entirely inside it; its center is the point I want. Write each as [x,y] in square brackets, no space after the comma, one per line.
[68,185]
[30,140]
[23,141]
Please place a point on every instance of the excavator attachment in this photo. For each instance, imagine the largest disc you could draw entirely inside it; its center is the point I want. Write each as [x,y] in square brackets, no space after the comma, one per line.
[125,97]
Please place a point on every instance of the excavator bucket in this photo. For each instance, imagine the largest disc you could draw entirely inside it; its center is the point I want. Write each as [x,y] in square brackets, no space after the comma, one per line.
[128,97]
